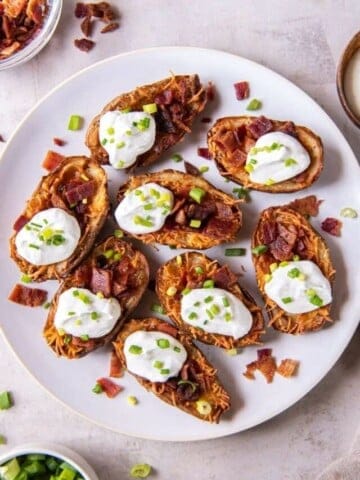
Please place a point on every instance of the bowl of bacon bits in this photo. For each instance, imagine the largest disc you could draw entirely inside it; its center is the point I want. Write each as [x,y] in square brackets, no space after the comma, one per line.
[51,462]
[26,26]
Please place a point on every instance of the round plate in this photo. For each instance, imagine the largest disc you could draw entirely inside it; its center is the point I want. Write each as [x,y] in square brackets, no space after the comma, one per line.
[252,401]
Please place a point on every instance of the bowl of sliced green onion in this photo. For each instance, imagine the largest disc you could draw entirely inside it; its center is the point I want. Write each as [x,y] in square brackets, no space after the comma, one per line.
[40,462]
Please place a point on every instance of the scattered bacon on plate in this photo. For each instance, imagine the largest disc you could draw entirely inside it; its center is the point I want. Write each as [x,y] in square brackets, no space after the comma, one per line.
[210,91]
[266,364]
[59,142]
[2,139]
[29,297]
[191,169]
[242,90]
[52,160]
[259,126]
[109,387]
[20,222]
[332,226]
[110,27]
[307,206]
[204,153]
[206,120]
[116,370]
[84,44]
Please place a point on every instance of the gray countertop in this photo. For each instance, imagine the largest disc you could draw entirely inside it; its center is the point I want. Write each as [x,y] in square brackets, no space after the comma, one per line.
[301,41]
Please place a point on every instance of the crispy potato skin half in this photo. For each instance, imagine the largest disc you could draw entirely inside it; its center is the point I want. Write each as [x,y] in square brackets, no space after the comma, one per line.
[181,275]
[195,100]
[47,196]
[183,236]
[213,392]
[311,142]
[316,251]
[129,299]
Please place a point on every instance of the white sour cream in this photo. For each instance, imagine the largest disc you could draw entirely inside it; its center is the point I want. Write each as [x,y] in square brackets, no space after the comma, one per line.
[155,356]
[275,157]
[82,313]
[125,136]
[51,236]
[216,311]
[145,209]
[299,287]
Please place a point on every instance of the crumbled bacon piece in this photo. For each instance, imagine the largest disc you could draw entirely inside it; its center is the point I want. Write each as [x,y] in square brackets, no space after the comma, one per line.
[264,352]
[84,44]
[288,367]
[20,222]
[110,27]
[269,232]
[280,249]
[81,10]
[288,128]
[242,90]
[101,281]
[210,91]
[59,142]
[224,277]
[120,276]
[86,26]
[200,212]
[238,158]
[88,345]
[228,141]
[116,368]
[77,193]
[217,226]
[288,233]
[259,126]
[265,364]
[167,328]
[2,139]
[52,160]
[204,153]
[191,169]
[110,388]
[30,297]
[206,120]
[332,226]
[307,205]
[164,98]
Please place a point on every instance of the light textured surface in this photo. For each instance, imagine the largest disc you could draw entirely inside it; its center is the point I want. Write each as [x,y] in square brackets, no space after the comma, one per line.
[301,42]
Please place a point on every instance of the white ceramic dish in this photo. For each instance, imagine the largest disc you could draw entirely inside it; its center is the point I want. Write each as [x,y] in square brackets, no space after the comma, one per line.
[53,450]
[253,402]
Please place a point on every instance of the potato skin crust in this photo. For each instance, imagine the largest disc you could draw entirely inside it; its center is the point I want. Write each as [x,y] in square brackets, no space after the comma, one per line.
[97,210]
[195,100]
[311,142]
[317,251]
[173,273]
[214,392]
[183,236]
[138,281]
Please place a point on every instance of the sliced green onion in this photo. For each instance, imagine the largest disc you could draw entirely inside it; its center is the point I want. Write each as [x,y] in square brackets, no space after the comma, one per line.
[140,470]
[142,221]
[177,349]
[157,364]
[267,277]
[195,223]
[111,130]
[154,193]
[199,270]
[104,141]
[249,168]
[259,249]
[2,440]
[26,278]
[241,193]
[163,343]
[197,194]
[193,316]
[348,212]
[108,253]
[11,470]
[143,124]
[209,284]
[287,300]
[135,349]
[149,206]
[118,233]
[131,400]
[117,256]
[5,401]
[215,309]
[171,291]
[32,245]
[254,104]
[235,252]
[289,162]
[269,182]
[155,307]
[210,314]
[94,315]
[208,299]
[120,145]
[84,338]
[203,169]
[203,407]
[225,302]
[283,264]
[228,317]
[164,371]
[125,110]
[75,122]
[176,157]
[97,388]
[273,267]
[186,291]
[197,304]
[293,273]
[150,108]
[316,300]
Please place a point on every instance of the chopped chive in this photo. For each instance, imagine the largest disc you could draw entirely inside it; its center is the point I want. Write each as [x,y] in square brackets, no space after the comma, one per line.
[249,168]
[128,133]
[254,104]
[117,256]
[209,284]
[348,212]
[208,299]
[270,181]
[154,193]
[97,388]
[176,157]
[120,164]
[209,314]
[195,223]
[163,343]
[125,110]
[47,305]
[283,264]
[164,371]
[267,277]
[157,364]
[203,169]
[71,314]
[157,308]
[5,401]
[177,349]
[2,440]
[316,300]
[186,291]
[142,221]
[273,267]
[149,206]
[84,338]
[108,253]
[235,252]
[197,304]
[215,309]
[293,273]
[31,245]
[199,270]
[75,122]
[241,193]
[193,316]
[67,339]
[197,194]
[289,162]
[26,278]
[287,300]
[259,249]
[253,161]
[35,224]
[111,130]
[225,302]
[131,400]
[120,145]
[135,349]
[118,233]
[75,293]
[310,292]
[94,315]
[228,317]
[140,470]
[150,108]
[104,141]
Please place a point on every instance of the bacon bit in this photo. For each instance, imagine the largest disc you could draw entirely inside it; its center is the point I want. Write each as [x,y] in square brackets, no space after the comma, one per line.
[59,142]
[288,367]
[110,27]
[265,364]
[210,91]
[77,193]
[206,120]
[2,139]
[224,277]
[332,226]
[306,206]
[204,153]
[81,10]
[164,98]
[191,169]
[84,44]
[238,158]
[264,352]
[86,26]
[250,370]
[259,126]
[29,297]
[109,387]
[289,128]
[20,222]
[116,368]
[52,160]
[167,328]
[101,280]
[242,90]
[88,345]
[228,140]
[280,249]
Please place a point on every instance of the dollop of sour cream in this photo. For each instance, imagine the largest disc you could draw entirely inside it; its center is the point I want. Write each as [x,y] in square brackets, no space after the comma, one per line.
[51,236]
[216,311]
[144,209]
[126,135]
[82,313]
[155,356]
[299,287]
[276,157]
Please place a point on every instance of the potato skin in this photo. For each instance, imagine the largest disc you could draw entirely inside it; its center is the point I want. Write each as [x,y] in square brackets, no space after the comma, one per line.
[316,250]
[176,271]
[97,210]
[183,236]
[311,142]
[137,284]
[214,392]
[195,96]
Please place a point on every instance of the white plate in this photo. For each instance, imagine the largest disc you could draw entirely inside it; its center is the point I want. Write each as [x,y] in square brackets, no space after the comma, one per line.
[252,401]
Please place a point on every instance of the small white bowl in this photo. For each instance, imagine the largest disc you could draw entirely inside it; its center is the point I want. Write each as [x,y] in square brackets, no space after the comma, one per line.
[53,450]
[39,41]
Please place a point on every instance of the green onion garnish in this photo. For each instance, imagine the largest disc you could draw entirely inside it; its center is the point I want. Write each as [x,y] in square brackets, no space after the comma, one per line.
[210,315]
[154,193]
[143,124]
[225,302]
[348,212]
[289,162]
[209,284]
[259,249]
[111,130]
[104,141]
[75,122]
[228,317]
[150,108]
[163,343]
[193,316]
[140,470]
[84,338]
[208,299]
[195,223]
[293,273]
[203,169]
[176,157]
[235,252]
[118,233]
[186,291]
[287,300]
[5,401]
[108,253]
[142,221]
[254,104]
[120,145]
[249,168]
[199,270]
[155,307]
[31,245]
[135,349]
[197,194]
[97,388]
[71,314]
[157,364]
[215,309]
[149,206]
[316,300]
[241,193]
[177,349]
[197,304]
[2,440]
[25,278]
[164,371]
[94,315]
[125,110]
[270,181]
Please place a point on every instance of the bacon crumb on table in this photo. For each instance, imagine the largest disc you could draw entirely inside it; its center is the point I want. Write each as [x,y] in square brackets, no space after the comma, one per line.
[332,226]
[52,160]
[288,367]
[191,169]
[204,153]
[59,142]
[84,44]
[27,296]
[116,369]
[266,364]
[242,90]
